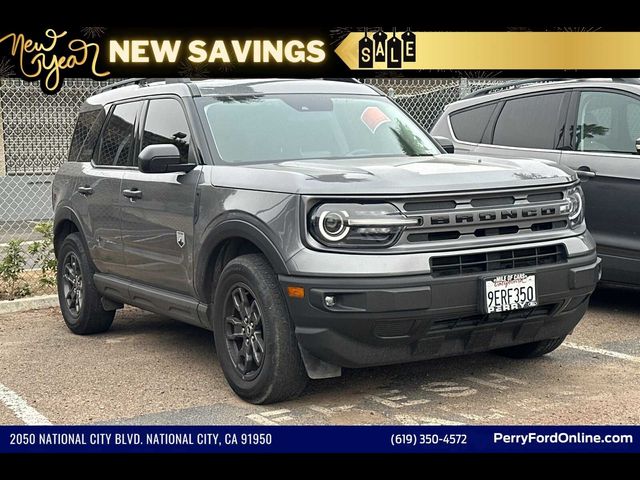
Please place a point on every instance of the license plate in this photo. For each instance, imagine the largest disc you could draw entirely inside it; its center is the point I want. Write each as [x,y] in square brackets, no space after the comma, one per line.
[510,292]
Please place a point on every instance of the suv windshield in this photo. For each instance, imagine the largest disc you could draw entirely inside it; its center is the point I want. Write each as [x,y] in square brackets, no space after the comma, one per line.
[255,129]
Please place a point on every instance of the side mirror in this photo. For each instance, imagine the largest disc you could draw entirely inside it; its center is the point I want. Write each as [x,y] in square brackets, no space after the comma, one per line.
[445,143]
[162,158]
[638,145]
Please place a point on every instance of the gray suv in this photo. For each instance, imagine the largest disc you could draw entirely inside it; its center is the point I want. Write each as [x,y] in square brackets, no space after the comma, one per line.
[311,225]
[591,126]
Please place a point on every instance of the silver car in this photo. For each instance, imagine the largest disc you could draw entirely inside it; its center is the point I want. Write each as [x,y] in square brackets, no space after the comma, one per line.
[589,126]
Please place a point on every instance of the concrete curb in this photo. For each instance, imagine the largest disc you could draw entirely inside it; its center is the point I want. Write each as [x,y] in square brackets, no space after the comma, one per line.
[29,303]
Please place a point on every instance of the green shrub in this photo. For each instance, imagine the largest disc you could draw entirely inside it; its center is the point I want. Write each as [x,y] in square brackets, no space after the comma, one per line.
[11,268]
[42,251]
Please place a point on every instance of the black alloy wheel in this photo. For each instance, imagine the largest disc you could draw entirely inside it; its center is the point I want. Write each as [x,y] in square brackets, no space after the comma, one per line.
[72,284]
[80,302]
[243,331]
[253,332]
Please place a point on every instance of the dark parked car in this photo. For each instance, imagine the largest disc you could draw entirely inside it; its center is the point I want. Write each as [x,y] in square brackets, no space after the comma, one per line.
[312,225]
[590,126]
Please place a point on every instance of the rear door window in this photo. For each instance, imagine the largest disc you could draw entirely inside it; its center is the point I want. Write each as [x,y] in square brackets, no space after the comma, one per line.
[116,144]
[529,122]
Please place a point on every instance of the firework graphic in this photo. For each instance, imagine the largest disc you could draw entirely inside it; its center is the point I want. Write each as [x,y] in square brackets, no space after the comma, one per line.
[226,67]
[93,32]
[338,34]
[193,70]
[478,74]
[577,29]
[556,29]
[388,74]
[6,69]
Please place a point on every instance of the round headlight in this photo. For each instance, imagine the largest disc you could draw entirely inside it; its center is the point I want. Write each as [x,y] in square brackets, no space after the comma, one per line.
[575,207]
[357,225]
[575,202]
[332,225]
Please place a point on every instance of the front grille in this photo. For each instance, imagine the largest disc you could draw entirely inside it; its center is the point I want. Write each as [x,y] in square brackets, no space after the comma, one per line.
[483,232]
[473,216]
[428,206]
[493,201]
[544,197]
[494,261]
[492,318]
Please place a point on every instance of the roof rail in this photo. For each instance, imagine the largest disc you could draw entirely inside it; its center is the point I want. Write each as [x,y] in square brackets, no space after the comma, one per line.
[121,83]
[635,81]
[514,84]
[143,82]
[532,81]
[346,80]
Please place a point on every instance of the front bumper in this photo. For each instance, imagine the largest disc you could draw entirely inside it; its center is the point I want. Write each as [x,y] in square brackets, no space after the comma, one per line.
[380,321]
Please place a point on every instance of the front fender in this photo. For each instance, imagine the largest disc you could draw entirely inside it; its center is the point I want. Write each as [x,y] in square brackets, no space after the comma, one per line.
[234,225]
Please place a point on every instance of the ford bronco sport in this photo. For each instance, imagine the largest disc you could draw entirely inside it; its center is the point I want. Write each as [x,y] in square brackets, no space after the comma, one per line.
[311,225]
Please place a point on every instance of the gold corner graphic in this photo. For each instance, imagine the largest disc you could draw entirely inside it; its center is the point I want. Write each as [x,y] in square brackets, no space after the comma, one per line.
[493,51]
[37,58]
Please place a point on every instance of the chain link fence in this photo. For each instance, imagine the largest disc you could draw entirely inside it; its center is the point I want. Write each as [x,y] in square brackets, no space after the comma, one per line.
[35,131]
[425,98]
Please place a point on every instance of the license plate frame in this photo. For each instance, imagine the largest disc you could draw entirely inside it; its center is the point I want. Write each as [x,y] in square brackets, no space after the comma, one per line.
[522,280]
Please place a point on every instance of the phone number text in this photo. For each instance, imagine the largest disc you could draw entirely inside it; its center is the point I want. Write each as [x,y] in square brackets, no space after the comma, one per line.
[413,439]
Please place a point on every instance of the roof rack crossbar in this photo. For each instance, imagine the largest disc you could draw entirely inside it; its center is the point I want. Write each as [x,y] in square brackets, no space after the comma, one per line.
[143,82]
[532,81]
[513,84]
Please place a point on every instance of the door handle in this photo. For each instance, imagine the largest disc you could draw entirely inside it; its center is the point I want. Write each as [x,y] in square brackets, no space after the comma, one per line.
[85,190]
[132,194]
[585,172]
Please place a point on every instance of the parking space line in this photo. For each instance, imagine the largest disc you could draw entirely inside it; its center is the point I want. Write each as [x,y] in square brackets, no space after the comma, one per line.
[273,413]
[602,351]
[424,420]
[275,417]
[21,408]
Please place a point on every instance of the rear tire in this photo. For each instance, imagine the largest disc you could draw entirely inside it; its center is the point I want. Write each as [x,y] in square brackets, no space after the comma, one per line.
[80,301]
[254,336]
[531,350]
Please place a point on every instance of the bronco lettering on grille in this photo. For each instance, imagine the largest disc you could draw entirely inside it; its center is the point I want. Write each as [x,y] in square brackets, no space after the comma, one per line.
[489,216]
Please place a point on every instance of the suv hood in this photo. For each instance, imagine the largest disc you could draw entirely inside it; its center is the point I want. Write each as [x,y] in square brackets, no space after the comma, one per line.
[391,175]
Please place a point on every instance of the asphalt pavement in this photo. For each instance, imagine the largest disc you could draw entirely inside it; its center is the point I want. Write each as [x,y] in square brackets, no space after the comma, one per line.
[152,370]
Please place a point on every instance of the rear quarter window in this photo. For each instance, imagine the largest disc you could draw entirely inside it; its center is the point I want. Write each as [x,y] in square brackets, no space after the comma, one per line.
[85,134]
[469,125]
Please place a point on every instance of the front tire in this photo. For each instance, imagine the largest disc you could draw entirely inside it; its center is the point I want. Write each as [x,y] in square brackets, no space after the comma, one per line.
[254,336]
[531,350]
[79,299]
